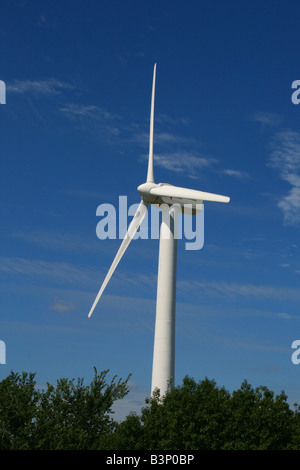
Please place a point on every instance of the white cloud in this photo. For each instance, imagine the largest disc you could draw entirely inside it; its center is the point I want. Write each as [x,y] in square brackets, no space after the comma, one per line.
[46,87]
[232,289]
[89,111]
[168,137]
[67,274]
[92,118]
[61,241]
[285,158]
[44,22]
[236,173]
[182,162]
[290,205]
[48,270]
[167,120]
[62,306]
[166,132]
[268,119]
[142,138]
[286,316]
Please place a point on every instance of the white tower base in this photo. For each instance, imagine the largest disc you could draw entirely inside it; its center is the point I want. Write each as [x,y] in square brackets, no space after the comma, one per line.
[164,338]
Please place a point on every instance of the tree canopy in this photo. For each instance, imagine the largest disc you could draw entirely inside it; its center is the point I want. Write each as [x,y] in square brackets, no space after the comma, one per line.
[192,416]
[69,416]
[203,416]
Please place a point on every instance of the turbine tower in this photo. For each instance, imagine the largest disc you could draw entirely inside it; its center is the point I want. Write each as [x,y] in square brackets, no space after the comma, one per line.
[170,199]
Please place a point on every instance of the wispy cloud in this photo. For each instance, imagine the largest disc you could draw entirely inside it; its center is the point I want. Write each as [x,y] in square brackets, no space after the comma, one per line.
[126,57]
[183,162]
[46,87]
[236,173]
[61,241]
[92,118]
[48,270]
[168,132]
[172,138]
[267,119]
[168,120]
[161,138]
[62,306]
[68,274]
[285,158]
[191,163]
[232,289]
[286,316]
[88,111]
[44,22]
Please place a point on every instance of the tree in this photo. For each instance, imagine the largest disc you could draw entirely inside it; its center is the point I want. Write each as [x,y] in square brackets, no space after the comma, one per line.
[18,402]
[203,416]
[192,416]
[259,420]
[188,417]
[127,435]
[77,416]
[68,416]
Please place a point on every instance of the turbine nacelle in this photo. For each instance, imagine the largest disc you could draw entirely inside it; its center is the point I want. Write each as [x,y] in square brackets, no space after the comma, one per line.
[164,193]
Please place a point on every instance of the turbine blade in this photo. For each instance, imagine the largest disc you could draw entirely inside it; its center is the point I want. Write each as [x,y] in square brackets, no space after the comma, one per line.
[170,191]
[150,174]
[132,229]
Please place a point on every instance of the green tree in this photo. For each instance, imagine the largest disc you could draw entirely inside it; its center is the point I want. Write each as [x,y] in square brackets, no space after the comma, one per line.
[259,420]
[127,435]
[75,416]
[203,416]
[193,416]
[70,415]
[188,417]
[18,403]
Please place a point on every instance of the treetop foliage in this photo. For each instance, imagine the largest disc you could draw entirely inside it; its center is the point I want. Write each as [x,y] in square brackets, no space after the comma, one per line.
[192,416]
[69,416]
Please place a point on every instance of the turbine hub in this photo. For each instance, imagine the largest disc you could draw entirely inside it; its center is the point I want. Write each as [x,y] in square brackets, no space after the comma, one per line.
[144,190]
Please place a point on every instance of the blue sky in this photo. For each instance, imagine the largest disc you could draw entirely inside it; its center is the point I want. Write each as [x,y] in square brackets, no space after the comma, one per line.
[74,134]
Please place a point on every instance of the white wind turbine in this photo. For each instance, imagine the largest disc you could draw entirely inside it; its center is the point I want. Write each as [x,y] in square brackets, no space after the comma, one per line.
[168,197]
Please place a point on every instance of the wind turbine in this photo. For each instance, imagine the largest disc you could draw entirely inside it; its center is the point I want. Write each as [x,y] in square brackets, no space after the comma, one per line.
[169,198]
